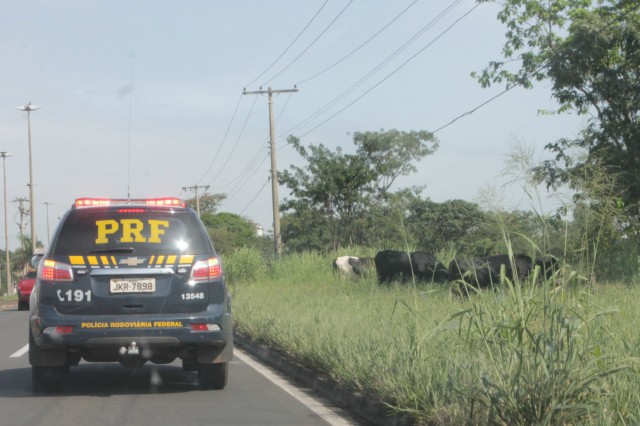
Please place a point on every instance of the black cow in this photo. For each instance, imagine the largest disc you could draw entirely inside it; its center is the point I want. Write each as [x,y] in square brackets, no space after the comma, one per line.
[392,265]
[548,266]
[352,266]
[484,272]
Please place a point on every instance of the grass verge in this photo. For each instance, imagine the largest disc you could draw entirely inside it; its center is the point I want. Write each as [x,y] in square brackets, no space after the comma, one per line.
[521,355]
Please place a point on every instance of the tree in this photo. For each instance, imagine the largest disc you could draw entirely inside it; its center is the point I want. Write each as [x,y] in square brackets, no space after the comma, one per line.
[453,222]
[229,231]
[342,188]
[209,203]
[21,257]
[591,53]
[300,229]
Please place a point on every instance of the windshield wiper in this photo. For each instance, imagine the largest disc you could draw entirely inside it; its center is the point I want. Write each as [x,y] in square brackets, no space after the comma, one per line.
[113,250]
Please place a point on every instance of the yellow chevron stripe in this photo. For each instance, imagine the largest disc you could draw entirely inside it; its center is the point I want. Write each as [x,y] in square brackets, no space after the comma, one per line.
[76,260]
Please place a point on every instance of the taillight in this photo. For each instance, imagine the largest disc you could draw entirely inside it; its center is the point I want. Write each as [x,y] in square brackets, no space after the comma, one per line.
[59,329]
[204,270]
[205,327]
[56,271]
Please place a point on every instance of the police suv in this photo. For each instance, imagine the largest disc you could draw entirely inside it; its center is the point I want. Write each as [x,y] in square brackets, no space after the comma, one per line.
[130,281]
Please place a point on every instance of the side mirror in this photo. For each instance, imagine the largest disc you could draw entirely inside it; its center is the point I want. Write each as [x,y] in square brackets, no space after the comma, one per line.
[35,260]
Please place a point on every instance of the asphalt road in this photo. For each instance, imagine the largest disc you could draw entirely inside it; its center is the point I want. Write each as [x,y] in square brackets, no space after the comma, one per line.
[108,394]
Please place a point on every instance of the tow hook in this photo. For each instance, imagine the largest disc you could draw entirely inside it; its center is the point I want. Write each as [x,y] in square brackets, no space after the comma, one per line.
[133,350]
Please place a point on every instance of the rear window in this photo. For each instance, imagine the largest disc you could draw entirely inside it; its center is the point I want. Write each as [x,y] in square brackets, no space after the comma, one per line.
[131,230]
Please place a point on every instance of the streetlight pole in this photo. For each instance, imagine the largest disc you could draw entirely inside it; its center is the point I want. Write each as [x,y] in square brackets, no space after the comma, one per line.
[46,203]
[32,210]
[4,156]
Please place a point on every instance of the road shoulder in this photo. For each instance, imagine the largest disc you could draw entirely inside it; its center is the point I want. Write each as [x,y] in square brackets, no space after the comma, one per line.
[364,407]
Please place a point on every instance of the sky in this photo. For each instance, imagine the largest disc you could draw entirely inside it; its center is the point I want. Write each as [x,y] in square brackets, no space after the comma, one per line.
[145,98]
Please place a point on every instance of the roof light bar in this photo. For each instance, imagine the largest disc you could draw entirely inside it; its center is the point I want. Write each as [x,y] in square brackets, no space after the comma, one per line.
[169,201]
[92,202]
[103,202]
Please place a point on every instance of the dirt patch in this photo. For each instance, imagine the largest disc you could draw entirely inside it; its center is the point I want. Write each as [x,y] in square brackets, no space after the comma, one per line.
[7,306]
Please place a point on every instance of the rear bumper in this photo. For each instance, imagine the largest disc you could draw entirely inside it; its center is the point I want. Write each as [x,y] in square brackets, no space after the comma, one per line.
[167,331]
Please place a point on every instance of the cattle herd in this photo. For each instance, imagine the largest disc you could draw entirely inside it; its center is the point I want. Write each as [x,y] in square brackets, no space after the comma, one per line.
[482,272]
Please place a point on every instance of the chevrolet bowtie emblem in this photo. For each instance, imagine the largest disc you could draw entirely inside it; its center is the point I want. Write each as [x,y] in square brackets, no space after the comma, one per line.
[131,261]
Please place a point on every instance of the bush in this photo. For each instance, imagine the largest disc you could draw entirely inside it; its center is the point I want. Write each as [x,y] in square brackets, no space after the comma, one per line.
[244,265]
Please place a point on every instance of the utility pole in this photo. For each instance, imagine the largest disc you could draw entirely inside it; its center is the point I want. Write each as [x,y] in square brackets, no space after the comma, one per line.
[10,289]
[277,236]
[195,188]
[46,203]
[32,210]
[23,213]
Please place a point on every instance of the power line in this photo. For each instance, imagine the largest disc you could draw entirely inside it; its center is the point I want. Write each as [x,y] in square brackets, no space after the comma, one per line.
[377,68]
[288,47]
[235,111]
[394,71]
[310,44]
[255,196]
[253,165]
[257,167]
[516,84]
[253,161]
[244,126]
[360,46]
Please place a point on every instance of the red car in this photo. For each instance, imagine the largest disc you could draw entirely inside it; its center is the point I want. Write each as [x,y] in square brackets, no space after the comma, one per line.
[24,287]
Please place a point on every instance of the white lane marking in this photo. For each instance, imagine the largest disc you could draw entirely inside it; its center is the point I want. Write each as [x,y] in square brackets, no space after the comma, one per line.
[331,415]
[21,352]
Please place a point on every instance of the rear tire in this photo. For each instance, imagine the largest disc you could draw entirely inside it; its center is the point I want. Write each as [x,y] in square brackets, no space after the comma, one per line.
[23,305]
[213,376]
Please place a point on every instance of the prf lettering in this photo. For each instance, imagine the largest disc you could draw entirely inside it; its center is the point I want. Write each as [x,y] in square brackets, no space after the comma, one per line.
[130,230]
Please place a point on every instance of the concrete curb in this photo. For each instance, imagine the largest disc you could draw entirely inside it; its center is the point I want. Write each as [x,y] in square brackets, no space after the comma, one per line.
[366,408]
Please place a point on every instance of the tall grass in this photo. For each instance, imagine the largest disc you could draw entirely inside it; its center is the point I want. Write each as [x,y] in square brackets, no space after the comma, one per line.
[525,354]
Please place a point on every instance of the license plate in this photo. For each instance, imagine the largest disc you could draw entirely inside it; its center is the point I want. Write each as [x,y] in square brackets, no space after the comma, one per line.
[132,285]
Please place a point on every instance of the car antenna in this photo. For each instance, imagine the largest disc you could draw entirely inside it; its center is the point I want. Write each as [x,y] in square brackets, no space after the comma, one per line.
[132,56]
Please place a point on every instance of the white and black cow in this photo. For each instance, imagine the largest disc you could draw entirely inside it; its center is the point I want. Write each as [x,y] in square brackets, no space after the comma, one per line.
[352,266]
[484,272]
[402,266]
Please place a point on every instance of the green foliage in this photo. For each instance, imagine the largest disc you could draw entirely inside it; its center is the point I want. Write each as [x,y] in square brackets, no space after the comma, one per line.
[545,357]
[439,225]
[303,228]
[208,203]
[590,52]
[244,265]
[533,32]
[525,355]
[338,191]
[229,231]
